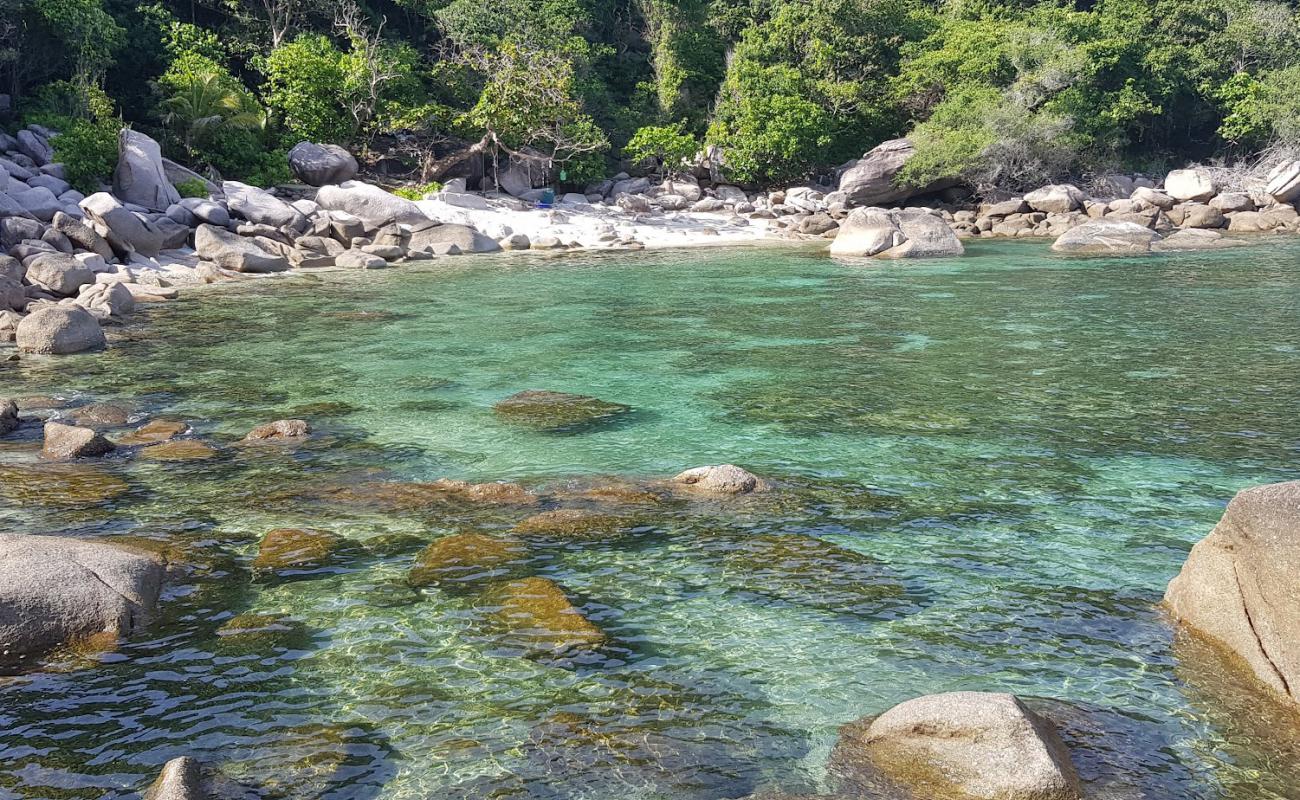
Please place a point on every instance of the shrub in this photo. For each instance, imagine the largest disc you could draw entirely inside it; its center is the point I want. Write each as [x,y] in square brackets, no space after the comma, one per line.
[417,192]
[192,188]
[305,81]
[88,151]
[668,147]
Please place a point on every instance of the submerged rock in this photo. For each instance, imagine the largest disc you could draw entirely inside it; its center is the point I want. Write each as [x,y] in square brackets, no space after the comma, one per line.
[571,523]
[556,411]
[158,430]
[261,633]
[1237,586]
[721,479]
[960,746]
[8,416]
[101,415]
[70,441]
[59,485]
[812,572]
[1196,239]
[297,549]
[55,590]
[535,614]
[466,558]
[179,450]
[281,429]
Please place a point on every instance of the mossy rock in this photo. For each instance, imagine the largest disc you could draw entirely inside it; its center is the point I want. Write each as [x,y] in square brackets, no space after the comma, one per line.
[292,549]
[387,545]
[616,494]
[808,571]
[401,496]
[572,523]
[466,558]
[59,485]
[100,415]
[179,450]
[154,431]
[557,411]
[536,615]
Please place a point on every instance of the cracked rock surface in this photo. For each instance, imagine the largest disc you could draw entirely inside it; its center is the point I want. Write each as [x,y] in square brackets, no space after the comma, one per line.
[1239,585]
[56,591]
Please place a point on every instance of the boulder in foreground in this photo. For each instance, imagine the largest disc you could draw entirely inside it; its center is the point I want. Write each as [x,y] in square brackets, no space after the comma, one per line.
[56,591]
[1107,237]
[180,779]
[961,746]
[69,441]
[1238,585]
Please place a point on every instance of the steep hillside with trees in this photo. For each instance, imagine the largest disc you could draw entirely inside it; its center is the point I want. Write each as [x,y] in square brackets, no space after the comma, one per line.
[999,93]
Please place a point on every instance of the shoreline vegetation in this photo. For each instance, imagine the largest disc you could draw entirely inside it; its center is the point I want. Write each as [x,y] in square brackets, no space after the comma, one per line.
[893,129]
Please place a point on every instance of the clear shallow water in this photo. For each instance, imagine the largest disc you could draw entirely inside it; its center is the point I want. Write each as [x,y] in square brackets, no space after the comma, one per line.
[1026,446]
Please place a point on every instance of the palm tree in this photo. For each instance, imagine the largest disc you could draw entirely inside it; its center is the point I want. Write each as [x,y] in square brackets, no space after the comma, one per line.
[209,102]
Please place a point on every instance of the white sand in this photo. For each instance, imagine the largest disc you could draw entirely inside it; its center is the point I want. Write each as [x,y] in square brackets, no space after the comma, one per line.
[585,224]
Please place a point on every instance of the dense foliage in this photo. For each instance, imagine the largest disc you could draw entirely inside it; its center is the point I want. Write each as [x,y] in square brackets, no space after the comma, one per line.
[1001,93]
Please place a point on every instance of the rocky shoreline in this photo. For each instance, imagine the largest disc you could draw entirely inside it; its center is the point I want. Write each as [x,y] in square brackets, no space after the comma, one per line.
[74,263]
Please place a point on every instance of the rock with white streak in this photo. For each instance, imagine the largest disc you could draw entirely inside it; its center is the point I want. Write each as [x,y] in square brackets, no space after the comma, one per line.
[1194,185]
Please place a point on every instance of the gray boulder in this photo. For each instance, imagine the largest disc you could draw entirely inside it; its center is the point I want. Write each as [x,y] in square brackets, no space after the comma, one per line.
[12,268]
[910,233]
[207,211]
[12,295]
[124,230]
[1284,182]
[1196,239]
[69,441]
[629,186]
[466,239]
[56,590]
[58,273]
[59,330]
[1056,199]
[1237,586]
[961,745]
[322,164]
[232,251]
[9,207]
[369,203]
[106,300]
[57,186]
[870,181]
[139,177]
[1195,185]
[1107,237]
[15,169]
[15,230]
[82,235]
[35,147]
[38,201]
[259,206]
[358,259]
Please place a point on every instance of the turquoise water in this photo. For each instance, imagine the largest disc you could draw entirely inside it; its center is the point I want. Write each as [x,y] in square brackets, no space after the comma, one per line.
[1024,446]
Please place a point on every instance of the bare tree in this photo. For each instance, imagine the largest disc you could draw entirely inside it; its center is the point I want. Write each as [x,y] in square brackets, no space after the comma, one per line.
[281,16]
[371,67]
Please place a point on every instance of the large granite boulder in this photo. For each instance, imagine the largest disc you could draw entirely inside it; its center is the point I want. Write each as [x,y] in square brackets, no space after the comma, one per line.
[1284,182]
[960,746]
[1195,185]
[56,591]
[322,164]
[37,201]
[259,206]
[871,181]
[35,147]
[124,230]
[1107,237]
[371,204]
[1238,585]
[106,300]
[432,235]
[910,233]
[234,252]
[58,273]
[139,177]
[59,330]
[1056,199]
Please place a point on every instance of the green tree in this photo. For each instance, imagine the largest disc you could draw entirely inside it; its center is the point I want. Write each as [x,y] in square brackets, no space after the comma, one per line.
[667,147]
[305,89]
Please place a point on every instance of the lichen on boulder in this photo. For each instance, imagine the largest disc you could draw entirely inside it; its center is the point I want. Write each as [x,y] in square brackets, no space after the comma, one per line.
[535,614]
